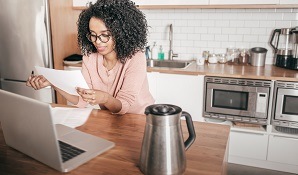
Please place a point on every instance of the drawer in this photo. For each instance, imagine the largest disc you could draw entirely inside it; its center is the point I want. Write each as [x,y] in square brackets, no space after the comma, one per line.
[248,145]
[283,150]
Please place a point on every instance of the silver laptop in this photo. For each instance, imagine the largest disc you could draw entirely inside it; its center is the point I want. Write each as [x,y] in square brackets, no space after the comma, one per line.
[28,127]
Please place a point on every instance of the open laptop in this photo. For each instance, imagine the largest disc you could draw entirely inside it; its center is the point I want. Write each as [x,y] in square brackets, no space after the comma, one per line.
[28,127]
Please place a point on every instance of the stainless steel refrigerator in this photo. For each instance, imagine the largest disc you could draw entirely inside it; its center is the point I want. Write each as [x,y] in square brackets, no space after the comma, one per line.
[25,42]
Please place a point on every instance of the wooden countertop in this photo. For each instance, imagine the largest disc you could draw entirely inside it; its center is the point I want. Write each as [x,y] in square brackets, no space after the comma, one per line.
[207,155]
[267,72]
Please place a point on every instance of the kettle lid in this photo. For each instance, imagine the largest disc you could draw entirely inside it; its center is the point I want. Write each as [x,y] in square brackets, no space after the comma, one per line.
[162,109]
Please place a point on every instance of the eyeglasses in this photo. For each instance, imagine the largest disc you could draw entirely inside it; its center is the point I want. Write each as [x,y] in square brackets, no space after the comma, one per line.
[103,37]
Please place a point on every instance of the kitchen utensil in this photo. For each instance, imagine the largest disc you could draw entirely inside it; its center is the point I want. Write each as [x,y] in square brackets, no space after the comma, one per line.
[292,62]
[222,58]
[258,56]
[200,61]
[212,58]
[205,55]
[283,45]
[232,55]
[243,56]
[163,147]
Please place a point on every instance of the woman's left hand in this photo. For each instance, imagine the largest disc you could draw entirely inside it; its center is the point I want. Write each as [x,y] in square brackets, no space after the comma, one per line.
[92,96]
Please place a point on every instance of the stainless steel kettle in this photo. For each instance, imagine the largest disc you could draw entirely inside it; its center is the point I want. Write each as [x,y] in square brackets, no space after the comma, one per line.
[163,147]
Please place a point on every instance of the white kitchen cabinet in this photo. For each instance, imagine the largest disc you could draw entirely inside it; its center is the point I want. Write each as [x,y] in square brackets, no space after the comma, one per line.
[248,144]
[283,149]
[288,2]
[241,2]
[152,76]
[185,91]
[171,2]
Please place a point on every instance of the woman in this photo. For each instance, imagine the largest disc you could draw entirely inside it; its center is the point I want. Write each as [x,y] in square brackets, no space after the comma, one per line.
[112,36]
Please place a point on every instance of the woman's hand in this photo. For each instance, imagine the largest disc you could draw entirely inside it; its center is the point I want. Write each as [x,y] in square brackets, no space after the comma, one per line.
[92,96]
[37,82]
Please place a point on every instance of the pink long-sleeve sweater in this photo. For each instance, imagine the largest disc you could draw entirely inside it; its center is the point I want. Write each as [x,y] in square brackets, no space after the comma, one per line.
[126,82]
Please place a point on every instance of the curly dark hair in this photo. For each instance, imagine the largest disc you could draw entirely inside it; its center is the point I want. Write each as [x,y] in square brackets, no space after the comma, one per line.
[126,23]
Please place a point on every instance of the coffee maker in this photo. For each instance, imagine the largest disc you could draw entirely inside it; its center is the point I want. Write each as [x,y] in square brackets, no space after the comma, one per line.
[285,47]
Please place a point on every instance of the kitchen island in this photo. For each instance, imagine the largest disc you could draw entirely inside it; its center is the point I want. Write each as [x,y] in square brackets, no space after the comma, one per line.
[207,155]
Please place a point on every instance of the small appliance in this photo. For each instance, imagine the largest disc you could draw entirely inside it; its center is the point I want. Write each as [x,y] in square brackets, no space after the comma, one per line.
[285,111]
[163,147]
[283,42]
[240,100]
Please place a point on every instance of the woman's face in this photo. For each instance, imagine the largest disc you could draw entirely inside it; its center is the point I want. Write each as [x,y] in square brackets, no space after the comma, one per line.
[101,37]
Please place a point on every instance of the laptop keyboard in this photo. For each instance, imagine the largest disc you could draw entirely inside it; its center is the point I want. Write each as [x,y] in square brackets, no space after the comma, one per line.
[68,152]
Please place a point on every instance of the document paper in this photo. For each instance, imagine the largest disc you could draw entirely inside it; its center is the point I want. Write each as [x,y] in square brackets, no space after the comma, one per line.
[64,79]
[71,117]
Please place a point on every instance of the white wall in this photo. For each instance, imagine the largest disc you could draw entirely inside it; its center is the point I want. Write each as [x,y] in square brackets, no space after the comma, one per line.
[215,30]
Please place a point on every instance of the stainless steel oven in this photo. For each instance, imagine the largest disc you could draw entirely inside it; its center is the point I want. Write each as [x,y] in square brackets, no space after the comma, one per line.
[242,100]
[285,106]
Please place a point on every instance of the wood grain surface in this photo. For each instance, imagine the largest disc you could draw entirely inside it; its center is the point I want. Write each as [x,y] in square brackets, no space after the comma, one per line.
[207,156]
[267,72]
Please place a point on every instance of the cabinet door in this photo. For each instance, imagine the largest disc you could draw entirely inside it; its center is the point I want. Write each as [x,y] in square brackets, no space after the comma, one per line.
[171,2]
[283,150]
[239,2]
[185,91]
[152,76]
[288,2]
[248,145]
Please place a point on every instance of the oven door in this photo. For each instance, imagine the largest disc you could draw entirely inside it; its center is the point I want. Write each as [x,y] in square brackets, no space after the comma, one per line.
[287,105]
[247,101]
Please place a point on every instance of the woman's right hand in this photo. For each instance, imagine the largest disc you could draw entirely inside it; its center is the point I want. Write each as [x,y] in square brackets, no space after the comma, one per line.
[37,82]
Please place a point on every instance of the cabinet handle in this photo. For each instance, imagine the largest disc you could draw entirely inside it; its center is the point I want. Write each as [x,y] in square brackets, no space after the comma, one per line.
[247,132]
[285,137]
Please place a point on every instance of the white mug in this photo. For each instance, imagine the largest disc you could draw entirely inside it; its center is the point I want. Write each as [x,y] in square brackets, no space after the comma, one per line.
[200,61]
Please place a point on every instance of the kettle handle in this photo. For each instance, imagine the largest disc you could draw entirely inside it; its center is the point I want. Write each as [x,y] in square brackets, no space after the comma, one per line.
[272,37]
[191,130]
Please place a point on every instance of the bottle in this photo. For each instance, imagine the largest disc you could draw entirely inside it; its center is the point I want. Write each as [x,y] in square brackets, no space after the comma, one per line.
[161,54]
[147,53]
[154,51]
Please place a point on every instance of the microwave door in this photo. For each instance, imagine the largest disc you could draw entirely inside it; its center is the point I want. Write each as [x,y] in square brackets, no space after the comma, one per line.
[286,105]
[236,100]
[231,99]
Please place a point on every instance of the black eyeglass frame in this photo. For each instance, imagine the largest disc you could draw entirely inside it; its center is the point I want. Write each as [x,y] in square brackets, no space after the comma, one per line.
[88,35]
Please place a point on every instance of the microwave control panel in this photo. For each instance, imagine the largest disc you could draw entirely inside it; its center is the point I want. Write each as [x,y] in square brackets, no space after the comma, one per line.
[261,104]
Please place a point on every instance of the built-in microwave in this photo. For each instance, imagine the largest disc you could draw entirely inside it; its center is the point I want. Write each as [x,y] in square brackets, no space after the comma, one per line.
[241,100]
[285,104]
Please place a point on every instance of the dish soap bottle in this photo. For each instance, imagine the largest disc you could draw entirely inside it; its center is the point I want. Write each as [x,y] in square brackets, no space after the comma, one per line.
[161,54]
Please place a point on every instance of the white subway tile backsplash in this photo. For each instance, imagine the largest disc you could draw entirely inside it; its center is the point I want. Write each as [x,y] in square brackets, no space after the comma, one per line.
[250,24]
[258,31]
[274,16]
[213,44]
[207,37]
[259,16]
[243,31]
[222,23]
[221,37]
[268,24]
[208,23]
[193,23]
[201,29]
[237,23]
[290,16]
[228,30]
[196,30]
[214,30]
[283,24]
[235,37]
